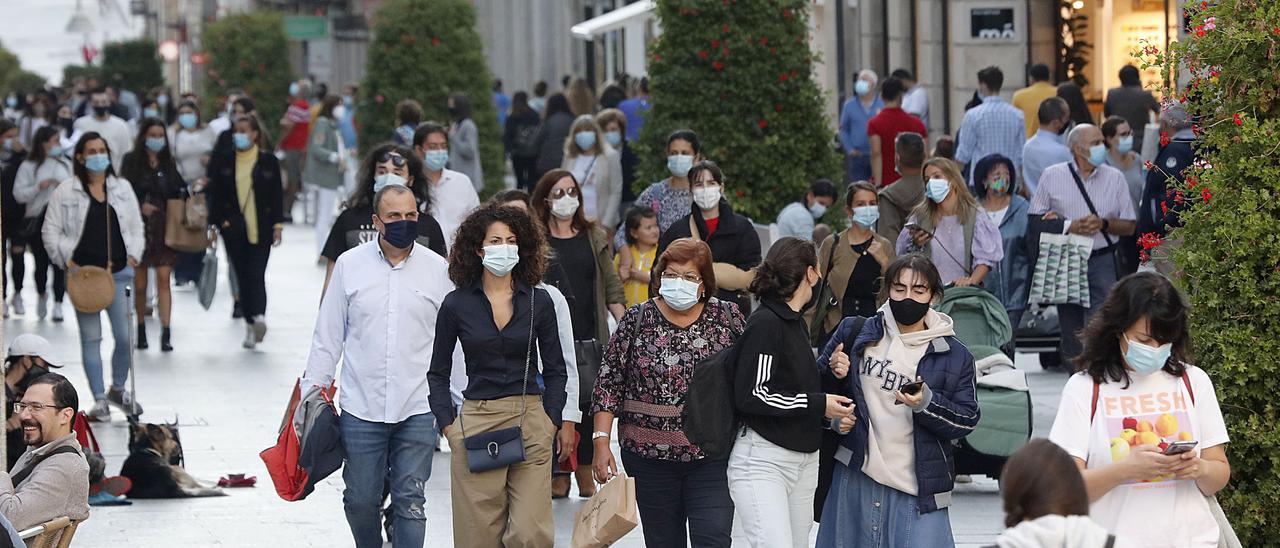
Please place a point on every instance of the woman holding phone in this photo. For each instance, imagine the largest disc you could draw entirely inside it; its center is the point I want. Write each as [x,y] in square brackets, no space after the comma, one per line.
[1144,425]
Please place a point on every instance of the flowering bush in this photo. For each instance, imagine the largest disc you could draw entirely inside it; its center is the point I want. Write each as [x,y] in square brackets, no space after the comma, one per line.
[136,61]
[247,51]
[738,73]
[1230,251]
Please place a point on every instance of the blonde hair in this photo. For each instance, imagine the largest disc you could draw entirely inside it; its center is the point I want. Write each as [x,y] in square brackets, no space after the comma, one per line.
[966,206]
[612,115]
[583,123]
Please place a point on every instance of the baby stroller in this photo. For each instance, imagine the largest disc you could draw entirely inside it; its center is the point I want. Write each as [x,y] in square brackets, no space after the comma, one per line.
[982,324]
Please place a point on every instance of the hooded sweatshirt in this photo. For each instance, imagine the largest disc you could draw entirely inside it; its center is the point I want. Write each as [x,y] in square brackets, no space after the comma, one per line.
[1054,531]
[885,366]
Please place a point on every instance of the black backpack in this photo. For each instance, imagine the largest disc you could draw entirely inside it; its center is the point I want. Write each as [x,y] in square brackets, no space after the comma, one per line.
[710,416]
[526,141]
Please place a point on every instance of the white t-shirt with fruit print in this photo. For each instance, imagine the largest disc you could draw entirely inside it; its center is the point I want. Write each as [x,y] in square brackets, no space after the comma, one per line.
[1155,409]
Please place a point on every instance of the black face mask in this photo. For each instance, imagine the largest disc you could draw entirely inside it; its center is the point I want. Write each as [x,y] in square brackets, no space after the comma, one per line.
[100,111]
[908,311]
[66,122]
[35,372]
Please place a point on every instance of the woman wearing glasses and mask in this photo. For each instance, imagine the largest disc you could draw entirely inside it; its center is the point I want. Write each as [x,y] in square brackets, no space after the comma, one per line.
[644,379]
[387,164]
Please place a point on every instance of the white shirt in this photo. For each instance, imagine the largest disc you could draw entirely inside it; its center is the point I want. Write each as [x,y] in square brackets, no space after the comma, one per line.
[220,124]
[114,131]
[916,101]
[188,148]
[452,199]
[381,321]
[584,168]
[564,327]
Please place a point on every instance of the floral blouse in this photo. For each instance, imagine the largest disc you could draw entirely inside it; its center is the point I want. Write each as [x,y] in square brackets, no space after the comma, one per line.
[671,205]
[646,371]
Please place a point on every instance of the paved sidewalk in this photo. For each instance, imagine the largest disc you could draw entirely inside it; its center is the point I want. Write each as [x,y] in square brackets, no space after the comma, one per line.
[229,403]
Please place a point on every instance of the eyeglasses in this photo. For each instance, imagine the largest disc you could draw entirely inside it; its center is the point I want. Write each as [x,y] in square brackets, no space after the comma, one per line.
[691,278]
[18,407]
[394,157]
[558,193]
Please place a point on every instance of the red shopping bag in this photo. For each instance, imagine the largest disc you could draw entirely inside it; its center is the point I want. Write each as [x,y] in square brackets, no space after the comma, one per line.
[291,478]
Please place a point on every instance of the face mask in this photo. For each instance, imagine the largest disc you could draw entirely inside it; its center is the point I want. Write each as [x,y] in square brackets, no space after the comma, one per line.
[155,144]
[400,234]
[861,87]
[348,100]
[817,210]
[937,189]
[188,120]
[436,159]
[66,122]
[908,311]
[614,138]
[150,113]
[707,197]
[97,163]
[293,89]
[679,293]
[679,165]
[1125,145]
[35,372]
[162,100]
[866,216]
[381,181]
[585,140]
[242,141]
[339,112]
[8,144]
[499,260]
[564,207]
[999,185]
[100,111]
[11,102]
[55,152]
[1146,360]
[1097,154]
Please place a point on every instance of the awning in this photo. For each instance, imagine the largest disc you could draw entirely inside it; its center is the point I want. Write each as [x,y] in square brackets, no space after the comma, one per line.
[616,19]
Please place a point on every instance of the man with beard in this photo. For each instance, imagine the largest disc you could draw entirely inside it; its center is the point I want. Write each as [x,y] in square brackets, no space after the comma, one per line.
[30,356]
[51,479]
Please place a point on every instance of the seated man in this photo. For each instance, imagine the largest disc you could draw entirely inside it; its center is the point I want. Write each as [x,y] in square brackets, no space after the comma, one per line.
[51,479]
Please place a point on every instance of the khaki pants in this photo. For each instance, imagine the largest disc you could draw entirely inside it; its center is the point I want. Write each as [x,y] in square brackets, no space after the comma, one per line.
[505,507]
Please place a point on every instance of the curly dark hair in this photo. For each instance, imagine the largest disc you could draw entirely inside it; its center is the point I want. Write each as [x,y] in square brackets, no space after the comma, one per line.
[363,194]
[1144,294]
[465,267]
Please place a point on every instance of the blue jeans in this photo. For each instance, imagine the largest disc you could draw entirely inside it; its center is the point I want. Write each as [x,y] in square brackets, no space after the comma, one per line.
[374,448]
[861,513]
[91,338]
[670,494]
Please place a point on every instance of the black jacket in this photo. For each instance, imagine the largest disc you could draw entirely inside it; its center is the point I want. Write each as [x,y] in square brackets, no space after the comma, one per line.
[224,205]
[551,141]
[1172,161]
[734,242]
[776,386]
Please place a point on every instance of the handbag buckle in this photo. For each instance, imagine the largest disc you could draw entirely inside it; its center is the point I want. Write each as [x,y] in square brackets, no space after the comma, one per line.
[492,448]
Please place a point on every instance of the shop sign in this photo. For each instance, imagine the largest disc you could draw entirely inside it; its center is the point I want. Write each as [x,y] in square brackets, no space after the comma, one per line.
[991,24]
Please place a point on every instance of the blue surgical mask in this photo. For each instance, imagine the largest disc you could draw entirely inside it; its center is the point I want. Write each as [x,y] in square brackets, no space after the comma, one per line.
[381,181]
[55,152]
[150,113]
[586,140]
[11,102]
[400,234]
[97,163]
[348,100]
[436,159]
[817,210]
[861,87]
[1125,145]
[614,138]
[162,100]
[155,144]
[679,165]
[500,259]
[188,120]
[1097,154]
[1145,360]
[242,141]
[937,189]
[679,293]
[293,89]
[866,216]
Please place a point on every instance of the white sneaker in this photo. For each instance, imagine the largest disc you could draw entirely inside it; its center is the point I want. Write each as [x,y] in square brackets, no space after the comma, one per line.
[259,329]
[100,412]
[18,307]
[250,338]
[57,311]
[42,306]
[6,309]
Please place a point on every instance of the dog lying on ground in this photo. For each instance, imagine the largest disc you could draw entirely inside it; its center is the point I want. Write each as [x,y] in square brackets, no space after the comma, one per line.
[155,465]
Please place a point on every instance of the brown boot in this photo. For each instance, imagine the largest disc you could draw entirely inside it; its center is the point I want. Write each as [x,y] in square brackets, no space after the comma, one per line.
[559,487]
[586,484]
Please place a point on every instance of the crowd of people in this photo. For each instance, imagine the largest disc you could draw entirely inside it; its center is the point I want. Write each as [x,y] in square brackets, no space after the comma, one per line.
[526,330]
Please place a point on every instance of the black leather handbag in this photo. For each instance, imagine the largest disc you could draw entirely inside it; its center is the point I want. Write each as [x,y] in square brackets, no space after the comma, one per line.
[504,447]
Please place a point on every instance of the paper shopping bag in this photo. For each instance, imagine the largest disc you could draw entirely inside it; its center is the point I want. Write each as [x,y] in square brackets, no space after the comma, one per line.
[608,516]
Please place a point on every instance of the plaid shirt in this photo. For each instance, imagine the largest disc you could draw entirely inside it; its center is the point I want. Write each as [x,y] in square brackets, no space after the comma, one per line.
[994,127]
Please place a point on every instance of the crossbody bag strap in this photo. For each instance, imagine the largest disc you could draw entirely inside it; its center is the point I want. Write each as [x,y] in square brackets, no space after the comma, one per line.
[528,357]
[693,229]
[23,474]
[1087,201]
[108,216]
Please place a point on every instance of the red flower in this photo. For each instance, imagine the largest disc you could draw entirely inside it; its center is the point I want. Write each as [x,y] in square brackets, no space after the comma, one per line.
[773,51]
[717,65]
[763,123]
[1238,119]
[787,13]
[1149,241]
[1204,4]
[724,29]
[777,107]
[703,54]
[435,40]
[764,40]
[1192,181]
[1275,30]
[1205,194]
[1164,138]
[782,77]
[715,43]
[657,58]
[1164,207]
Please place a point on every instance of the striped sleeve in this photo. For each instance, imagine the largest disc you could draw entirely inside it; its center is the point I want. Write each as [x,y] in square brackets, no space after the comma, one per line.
[765,380]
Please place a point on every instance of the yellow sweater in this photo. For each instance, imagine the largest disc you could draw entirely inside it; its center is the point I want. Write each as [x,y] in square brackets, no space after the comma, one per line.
[636,291]
[245,162]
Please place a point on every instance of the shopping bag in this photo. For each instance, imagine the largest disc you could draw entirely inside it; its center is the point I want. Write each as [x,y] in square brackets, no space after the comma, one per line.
[302,456]
[179,235]
[1061,273]
[207,285]
[608,516]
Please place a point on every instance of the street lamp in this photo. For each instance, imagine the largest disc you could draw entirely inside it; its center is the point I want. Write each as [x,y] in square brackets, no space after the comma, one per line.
[79,23]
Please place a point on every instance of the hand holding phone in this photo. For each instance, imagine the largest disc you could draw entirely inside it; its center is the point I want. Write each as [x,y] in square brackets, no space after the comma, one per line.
[910,393]
[919,235]
[1180,447]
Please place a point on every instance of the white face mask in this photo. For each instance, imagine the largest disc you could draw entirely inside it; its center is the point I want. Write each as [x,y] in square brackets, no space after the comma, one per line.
[564,207]
[707,197]
[500,259]
[380,181]
[817,210]
[679,293]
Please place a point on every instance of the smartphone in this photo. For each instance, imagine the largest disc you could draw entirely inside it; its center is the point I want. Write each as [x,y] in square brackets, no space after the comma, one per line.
[1180,447]
[911,388]
[914,227]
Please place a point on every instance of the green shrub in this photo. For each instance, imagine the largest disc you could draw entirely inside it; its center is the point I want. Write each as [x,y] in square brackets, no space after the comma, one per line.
[71,72]
[24,81]
[1230,242]
[738,73]
[136,62]
[249,51]
[423,50]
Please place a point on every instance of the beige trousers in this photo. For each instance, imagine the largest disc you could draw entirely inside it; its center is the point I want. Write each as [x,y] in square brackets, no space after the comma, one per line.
[506,507]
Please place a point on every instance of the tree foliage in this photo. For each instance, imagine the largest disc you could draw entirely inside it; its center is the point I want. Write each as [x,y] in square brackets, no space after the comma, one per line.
[738,72]
[133,64]
[14,78]
[71,72]
[423,50]
[1231,65]
[248,51]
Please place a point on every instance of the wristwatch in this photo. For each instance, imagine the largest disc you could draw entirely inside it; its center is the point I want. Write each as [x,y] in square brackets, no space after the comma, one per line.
[598,434]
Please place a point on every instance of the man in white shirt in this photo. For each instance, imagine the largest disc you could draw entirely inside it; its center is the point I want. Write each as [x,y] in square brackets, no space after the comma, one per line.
[915,100]
[1045,147]
[379,317]
[114,130]
[223,121]
[452,194]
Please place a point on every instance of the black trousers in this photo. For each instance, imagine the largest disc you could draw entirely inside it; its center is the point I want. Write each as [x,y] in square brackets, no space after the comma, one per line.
[524,169]
[43,265]
[249,261]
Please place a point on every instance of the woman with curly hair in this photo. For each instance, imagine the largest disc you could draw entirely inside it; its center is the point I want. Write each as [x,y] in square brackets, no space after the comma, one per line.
[497,313]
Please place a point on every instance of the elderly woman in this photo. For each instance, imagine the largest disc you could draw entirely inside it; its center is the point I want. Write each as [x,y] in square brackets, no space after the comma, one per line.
[643,381]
